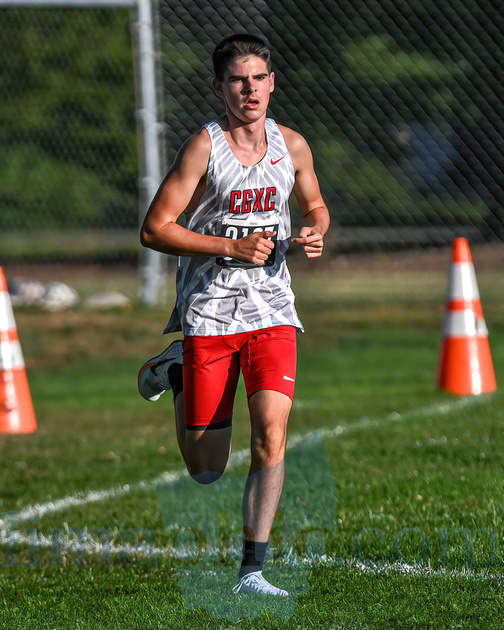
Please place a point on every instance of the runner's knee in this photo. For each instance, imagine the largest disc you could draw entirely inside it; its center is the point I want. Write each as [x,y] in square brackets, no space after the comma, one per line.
[205,478]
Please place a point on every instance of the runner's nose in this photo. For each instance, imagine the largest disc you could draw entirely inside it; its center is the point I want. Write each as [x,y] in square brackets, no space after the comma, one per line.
[250,87]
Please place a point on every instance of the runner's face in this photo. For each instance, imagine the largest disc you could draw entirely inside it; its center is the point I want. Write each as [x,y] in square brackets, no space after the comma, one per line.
[246,88]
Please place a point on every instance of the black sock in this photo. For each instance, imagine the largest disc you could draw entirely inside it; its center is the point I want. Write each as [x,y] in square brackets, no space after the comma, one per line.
[175,376]
[253,556]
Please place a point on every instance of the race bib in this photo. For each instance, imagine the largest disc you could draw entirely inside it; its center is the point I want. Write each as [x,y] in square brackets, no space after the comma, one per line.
[236,228]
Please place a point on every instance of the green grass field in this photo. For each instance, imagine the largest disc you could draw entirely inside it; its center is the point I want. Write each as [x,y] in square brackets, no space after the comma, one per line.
[418,474]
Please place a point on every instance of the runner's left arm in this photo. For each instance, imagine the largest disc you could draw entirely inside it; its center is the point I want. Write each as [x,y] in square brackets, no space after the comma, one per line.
[307,190]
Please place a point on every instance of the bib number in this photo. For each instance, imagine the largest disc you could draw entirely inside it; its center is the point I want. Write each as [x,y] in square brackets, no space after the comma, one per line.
[239,229]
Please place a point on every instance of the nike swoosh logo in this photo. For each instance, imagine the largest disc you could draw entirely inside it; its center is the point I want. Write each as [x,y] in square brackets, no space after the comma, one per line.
[288,378]
[273,162]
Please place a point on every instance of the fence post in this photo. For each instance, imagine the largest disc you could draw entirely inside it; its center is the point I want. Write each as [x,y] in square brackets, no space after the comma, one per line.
[153,264]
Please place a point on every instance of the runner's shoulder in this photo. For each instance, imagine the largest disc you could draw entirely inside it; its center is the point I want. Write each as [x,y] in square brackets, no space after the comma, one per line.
[296,144]
[195,152]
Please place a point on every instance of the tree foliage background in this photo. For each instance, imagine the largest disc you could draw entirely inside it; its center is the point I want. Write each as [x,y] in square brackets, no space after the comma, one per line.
[67,130]
[401,103]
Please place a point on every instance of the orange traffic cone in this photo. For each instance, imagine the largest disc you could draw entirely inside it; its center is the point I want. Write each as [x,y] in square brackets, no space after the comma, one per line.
[16,408]
[466,363]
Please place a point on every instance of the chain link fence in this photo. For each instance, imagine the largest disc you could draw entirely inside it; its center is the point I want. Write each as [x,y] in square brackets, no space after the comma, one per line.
[401,103]
[68,146]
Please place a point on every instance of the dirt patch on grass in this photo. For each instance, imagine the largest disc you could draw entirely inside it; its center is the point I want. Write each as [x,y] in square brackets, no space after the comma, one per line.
[70,337]
[486,257]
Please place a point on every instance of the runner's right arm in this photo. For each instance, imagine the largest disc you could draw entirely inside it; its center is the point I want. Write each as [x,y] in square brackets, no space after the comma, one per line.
[181,191]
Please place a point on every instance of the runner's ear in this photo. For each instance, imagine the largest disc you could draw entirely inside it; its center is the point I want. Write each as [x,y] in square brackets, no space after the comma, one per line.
[217,87]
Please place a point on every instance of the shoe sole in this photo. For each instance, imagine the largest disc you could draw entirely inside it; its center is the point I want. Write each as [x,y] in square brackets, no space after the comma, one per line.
[279,593]
[167,355]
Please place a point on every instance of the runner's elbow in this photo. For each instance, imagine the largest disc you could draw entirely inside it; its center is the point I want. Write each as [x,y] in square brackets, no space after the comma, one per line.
[146,237]
[152,239]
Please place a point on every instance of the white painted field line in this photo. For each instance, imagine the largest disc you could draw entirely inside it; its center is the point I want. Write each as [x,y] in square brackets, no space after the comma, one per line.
[422,412]
[93,547]
[95,496]
[111,552]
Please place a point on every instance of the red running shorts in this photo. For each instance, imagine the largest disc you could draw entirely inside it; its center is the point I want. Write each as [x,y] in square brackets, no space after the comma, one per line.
[211,368]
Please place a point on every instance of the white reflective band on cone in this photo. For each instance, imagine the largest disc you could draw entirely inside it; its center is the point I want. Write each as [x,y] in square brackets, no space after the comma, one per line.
[11,356]
[464,323]
[6,315]
[462,283]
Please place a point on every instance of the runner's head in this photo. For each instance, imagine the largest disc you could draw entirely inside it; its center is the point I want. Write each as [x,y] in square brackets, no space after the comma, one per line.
[239,45]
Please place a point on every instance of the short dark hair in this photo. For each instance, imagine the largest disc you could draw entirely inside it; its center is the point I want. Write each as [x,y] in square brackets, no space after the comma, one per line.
[239,45]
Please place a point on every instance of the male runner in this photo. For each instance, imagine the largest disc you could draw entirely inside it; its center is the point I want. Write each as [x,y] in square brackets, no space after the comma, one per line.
[235,307]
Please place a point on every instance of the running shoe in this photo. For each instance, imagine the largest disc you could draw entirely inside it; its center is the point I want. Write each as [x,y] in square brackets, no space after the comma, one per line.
[256,584]
[153,379]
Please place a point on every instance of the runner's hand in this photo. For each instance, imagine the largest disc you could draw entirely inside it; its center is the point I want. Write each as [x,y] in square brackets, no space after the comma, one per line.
[311,240]
[254,248]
